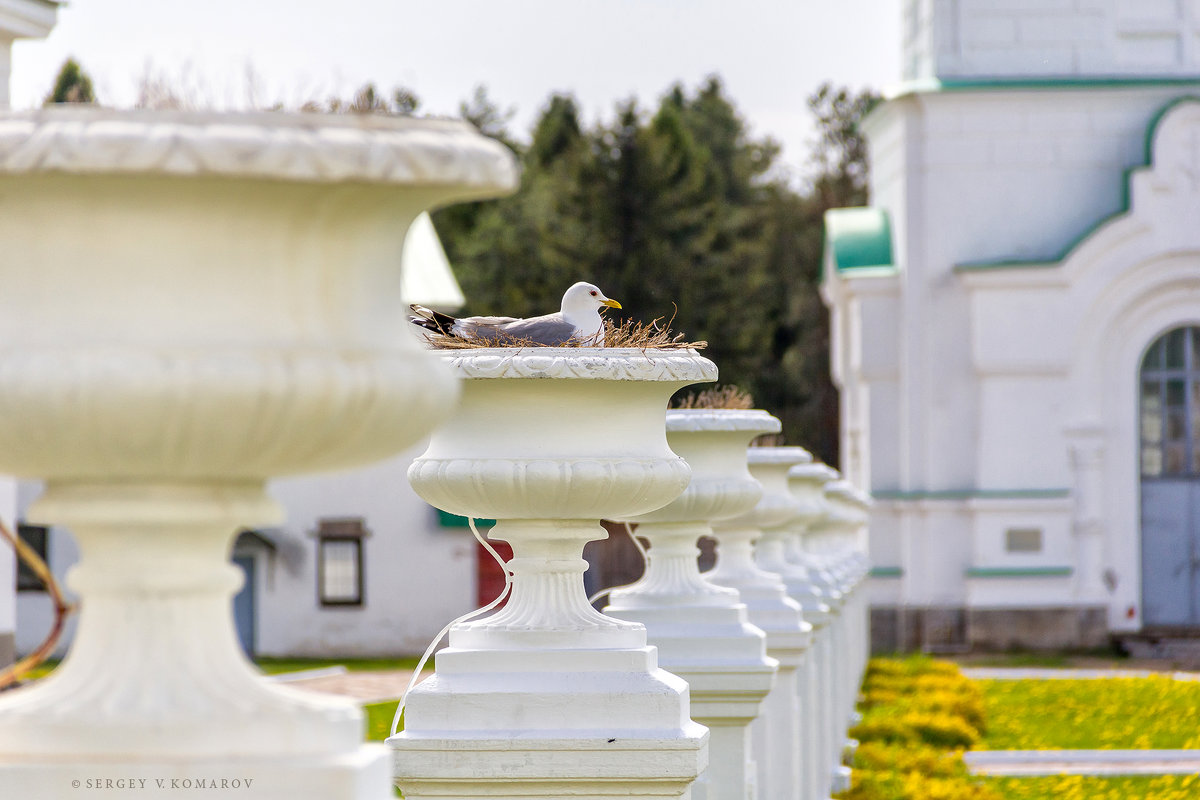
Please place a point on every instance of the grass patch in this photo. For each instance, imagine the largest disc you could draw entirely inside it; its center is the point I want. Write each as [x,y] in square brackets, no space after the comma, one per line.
[1100,714]
[379,719]
[1087,787]
[274,666]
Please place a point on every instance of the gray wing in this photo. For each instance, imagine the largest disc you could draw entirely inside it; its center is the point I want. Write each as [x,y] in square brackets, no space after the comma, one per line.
[551,330]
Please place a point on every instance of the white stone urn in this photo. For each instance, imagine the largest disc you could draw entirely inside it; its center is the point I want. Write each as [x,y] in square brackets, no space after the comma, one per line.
[193,303]
[547,697]
[778,732]
[702,631]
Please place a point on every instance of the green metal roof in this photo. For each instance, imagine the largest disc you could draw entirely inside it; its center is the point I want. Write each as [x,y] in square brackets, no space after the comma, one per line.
[859,238]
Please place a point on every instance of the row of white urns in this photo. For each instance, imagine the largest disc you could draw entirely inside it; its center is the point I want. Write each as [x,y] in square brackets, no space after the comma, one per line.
[733,684]
[218,306]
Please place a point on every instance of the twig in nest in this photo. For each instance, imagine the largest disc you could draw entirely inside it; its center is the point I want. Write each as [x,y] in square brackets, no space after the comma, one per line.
[647,335]
[718,397]
[62,609]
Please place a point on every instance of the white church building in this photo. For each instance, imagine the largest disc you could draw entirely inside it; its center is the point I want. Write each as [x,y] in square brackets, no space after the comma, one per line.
[1016,326]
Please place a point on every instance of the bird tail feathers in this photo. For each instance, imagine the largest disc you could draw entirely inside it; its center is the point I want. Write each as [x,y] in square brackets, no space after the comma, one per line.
[431,320]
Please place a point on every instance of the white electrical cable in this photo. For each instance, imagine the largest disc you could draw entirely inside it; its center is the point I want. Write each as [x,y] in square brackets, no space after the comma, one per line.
[432,645]
[645,565]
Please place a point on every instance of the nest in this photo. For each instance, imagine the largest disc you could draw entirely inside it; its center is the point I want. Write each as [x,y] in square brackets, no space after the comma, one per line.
[628,333]
[769,440]
[718,397]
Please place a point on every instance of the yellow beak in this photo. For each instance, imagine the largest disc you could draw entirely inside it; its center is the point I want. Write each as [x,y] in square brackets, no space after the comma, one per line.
[610,303]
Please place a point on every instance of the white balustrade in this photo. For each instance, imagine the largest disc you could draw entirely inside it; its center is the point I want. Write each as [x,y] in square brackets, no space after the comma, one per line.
[702,631]
[778,733]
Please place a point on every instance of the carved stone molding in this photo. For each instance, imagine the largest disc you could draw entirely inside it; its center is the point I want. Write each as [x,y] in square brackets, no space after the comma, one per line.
[582,363]
[292,147]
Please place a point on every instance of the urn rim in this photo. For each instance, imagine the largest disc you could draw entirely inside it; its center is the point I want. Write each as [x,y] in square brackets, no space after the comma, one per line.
[288,146]
[778,455]
[721,419]
[580,363]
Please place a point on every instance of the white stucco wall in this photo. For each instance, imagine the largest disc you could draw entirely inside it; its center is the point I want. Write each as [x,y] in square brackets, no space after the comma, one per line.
[418,575]
[1011,38]
[5,71]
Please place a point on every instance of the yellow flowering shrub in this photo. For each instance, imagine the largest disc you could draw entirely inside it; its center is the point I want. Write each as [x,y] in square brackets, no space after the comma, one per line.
[939,729]
[905,758]
[918,716]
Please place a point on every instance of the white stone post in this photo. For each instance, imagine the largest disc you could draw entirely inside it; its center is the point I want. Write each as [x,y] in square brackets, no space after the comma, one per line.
[778,734]
[547,697]
[815,677]
[193,303]
[842,527]
[702,631]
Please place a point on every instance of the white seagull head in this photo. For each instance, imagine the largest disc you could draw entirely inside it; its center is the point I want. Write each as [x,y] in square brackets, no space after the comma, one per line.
[581,306]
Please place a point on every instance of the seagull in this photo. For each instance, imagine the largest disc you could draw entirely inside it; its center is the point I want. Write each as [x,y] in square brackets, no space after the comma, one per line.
[578,321]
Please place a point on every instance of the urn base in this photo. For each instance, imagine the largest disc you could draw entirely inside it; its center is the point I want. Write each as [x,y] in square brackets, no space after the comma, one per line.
[538,724]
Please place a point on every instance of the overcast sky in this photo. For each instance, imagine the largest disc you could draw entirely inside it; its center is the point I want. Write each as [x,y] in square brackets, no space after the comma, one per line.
[771,53]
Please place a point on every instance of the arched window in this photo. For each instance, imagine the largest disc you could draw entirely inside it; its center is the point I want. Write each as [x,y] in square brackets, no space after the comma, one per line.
[1170,405]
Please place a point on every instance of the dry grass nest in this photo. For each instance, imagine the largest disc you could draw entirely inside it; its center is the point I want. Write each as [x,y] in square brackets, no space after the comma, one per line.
[653,335]
[718,397]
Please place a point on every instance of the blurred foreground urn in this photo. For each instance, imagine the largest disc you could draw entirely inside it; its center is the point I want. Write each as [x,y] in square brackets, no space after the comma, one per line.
[547,697]
[193,303]
[778,732]
[702,631]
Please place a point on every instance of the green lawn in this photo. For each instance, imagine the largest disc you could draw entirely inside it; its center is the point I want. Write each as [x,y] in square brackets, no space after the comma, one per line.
[1080,787]
[274,666]
[1103,714]
[379,719]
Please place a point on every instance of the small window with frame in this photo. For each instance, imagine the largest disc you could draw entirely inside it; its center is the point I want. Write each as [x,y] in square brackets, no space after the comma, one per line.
[38,539]
[340,562]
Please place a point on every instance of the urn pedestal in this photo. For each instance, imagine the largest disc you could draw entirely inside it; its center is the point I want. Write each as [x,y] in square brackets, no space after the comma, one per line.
[772,466]
[701,630]
[828,543]
[778,732]
[547,697]
[193,303]
[817,591]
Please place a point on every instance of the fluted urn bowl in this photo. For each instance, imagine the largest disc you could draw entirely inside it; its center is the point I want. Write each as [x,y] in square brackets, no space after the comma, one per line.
[713,441]
[192,303]
[559,433]
[198,295]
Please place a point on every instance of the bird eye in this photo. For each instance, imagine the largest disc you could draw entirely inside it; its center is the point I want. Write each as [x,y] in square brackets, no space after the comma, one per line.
[594,294]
